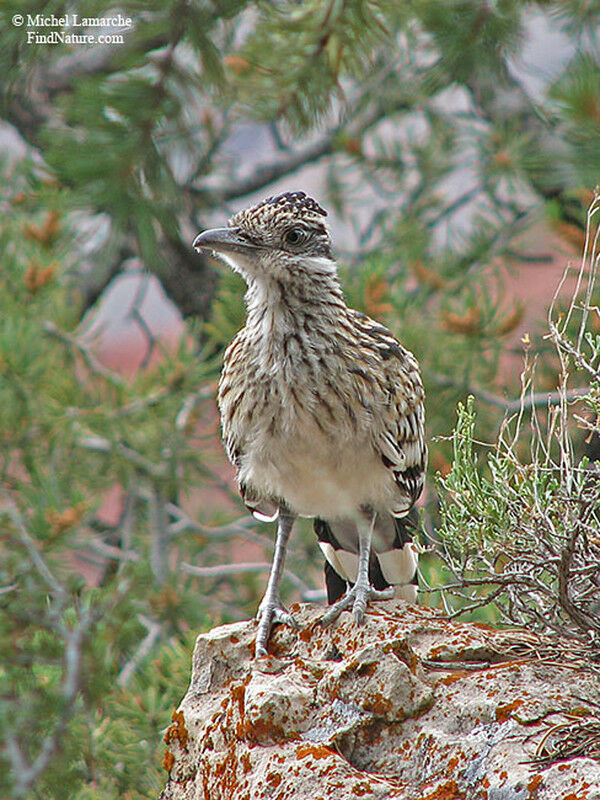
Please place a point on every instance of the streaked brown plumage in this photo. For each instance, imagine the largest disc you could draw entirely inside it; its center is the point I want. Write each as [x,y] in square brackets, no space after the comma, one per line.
[322,409]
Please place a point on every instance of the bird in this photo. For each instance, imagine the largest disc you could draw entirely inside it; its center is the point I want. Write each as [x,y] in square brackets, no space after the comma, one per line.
[322,411]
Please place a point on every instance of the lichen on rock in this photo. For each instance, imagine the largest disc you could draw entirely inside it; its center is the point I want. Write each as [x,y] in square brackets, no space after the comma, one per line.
[409,706]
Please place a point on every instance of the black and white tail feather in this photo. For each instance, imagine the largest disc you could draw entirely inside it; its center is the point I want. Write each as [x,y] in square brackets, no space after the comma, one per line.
[393,560]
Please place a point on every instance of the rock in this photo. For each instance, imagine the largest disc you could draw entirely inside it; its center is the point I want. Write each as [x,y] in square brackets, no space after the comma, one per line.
[408,706]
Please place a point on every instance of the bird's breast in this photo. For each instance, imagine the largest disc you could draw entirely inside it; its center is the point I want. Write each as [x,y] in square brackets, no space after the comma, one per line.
[308,445]
[315,476]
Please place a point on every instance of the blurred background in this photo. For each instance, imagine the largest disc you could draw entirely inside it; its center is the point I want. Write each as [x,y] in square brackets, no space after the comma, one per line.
[456,145]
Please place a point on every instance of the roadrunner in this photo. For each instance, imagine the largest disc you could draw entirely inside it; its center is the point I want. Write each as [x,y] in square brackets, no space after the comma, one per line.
[321,408]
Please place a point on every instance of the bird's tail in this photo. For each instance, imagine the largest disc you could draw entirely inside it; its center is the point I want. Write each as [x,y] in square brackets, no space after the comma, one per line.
[393,556]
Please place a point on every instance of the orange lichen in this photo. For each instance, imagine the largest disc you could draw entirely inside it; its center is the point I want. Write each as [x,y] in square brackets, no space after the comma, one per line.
[360,789]
[238,693]
[534,783]
[380,705]
[316,751]
[246,762]
[456,676]
[260,731]
[274,779]
[445,791]
[504,712]
[406,654]
[168,761]
[366,670]
[177,731]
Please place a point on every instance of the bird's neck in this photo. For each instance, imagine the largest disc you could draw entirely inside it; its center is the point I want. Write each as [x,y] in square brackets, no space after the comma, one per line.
[289,302]
[304,305]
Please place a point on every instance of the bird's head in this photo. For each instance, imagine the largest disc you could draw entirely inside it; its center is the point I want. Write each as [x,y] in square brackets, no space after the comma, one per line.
[281,238]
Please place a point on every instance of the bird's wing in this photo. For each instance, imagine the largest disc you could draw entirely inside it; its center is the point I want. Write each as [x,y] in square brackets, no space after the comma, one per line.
[400,436]
[233,405]
[230,397]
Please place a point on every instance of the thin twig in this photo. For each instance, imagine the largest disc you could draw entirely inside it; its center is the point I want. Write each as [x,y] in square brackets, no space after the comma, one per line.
[534,400]
[11,510]
[73,343]
[159,553]
[26,774]
[154,629]
[266,174]
[224,570]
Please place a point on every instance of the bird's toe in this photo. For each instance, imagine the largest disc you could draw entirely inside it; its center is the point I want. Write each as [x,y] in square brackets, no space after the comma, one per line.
[333,613]
[270,613]
[282,615]
[357,598]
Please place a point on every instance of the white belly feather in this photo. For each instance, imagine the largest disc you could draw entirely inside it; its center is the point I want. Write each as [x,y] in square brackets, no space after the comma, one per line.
[319,478]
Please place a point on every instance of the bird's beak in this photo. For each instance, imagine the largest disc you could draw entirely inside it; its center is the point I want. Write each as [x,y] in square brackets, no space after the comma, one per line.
[223,240]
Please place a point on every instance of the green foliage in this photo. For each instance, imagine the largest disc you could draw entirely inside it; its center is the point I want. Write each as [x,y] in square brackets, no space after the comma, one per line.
[471,36]
[577,94]
[297,54]
[519,534]
[477,518]
[148,136]
[129,732]
[227,313]
[520,527]
[69,432]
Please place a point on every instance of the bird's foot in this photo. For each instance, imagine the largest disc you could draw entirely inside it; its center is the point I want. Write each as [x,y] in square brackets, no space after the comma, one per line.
[357,597]
[271,611]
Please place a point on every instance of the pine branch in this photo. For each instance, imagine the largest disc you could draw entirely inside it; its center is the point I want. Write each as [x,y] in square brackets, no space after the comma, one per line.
[224,570]
[74,344]
[31,109]
[26,774]
[532,400]
[293,160]
[11,510]
[144,648]
[98,444]
[502,98]
[159,552]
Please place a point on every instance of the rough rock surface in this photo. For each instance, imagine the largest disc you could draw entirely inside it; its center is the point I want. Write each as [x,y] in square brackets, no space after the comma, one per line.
[408,706]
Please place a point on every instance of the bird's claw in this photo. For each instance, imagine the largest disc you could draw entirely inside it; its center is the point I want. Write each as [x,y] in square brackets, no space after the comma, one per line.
[358,598]
[269,613]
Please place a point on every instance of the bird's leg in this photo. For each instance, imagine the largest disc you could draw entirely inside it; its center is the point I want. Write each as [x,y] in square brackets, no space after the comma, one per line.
[271,609]
[362,591]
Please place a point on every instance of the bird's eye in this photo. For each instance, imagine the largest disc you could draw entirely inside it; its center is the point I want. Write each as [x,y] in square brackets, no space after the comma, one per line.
[295,236]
